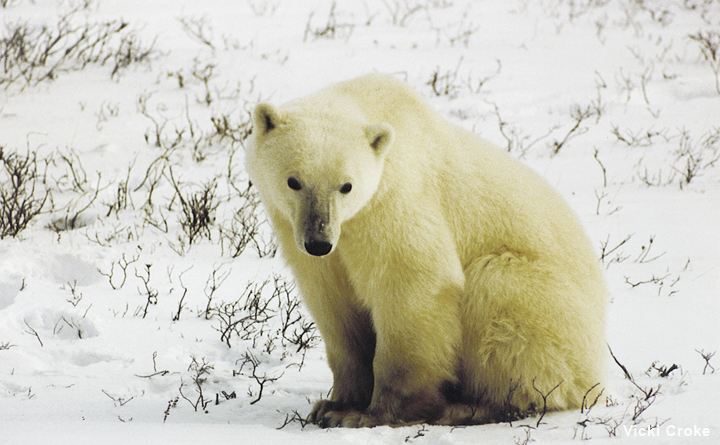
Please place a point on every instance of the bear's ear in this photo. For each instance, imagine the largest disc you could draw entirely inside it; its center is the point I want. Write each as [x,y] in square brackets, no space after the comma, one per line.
[380,137]
[265,118]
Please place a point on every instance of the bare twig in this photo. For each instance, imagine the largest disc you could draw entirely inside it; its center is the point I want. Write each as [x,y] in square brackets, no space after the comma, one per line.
[150,293]
[33,332]
[544,397]
[579,114]
[261,380]
[707,356]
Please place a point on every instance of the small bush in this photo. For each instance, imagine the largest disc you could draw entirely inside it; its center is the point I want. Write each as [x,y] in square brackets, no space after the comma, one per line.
[19,202]
[249,318]
[198,211]
[709,43]
[31,54]
[244,229]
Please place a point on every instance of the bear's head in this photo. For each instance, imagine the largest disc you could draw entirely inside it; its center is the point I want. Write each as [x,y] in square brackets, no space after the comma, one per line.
[316,167]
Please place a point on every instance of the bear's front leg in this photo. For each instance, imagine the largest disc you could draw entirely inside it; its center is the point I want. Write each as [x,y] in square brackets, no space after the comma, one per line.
[350,352]
[352,385]
[415,363]
[418,336]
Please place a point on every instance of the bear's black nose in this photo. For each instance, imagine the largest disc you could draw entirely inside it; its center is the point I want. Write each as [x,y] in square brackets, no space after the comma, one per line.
[318,248]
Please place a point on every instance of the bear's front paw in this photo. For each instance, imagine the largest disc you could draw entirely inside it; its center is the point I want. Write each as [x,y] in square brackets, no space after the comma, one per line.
[322,407]
[348,419]
[329,414]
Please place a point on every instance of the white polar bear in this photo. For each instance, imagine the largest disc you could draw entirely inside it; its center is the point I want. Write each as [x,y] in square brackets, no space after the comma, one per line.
[450,283]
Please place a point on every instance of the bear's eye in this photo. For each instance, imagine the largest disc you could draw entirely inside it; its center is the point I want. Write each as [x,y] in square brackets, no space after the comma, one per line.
[345,189]
[293,183]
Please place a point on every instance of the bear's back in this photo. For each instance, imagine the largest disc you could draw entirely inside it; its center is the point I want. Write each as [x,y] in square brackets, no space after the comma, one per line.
[383,98]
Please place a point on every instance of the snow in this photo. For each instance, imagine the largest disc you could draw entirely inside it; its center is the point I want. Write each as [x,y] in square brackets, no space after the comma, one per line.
[89,354]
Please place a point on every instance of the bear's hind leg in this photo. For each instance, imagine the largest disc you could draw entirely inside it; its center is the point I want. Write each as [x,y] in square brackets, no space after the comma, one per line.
[532,333]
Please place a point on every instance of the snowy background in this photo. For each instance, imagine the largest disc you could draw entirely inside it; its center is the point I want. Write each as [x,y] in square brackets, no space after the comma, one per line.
[140,297]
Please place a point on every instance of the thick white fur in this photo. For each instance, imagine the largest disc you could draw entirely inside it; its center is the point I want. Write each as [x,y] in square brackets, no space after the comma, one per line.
[460,288]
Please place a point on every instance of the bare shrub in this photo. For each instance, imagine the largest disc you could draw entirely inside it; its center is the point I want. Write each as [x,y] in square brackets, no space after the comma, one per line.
[266,316]
[123,264]
[293,417]
[643,400]
[253,362]
[516,140]
[544,396]
[402,11]
[198,210]
[33,54]
[524,440]
[148,292]
[295,327]
[204,73]
[198,29]
[244,229]
[693,158]
[199,370]
[122,197]
[224,127]
[661,370]
[709,42]
[579,114]
[330,30]
[245,317]
[19,201]
[707,356]
[445,83]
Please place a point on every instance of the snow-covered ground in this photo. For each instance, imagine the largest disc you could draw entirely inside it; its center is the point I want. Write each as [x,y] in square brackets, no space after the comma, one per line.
[122,320]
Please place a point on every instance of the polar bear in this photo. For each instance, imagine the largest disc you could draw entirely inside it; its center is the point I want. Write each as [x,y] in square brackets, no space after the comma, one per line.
[450,283]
